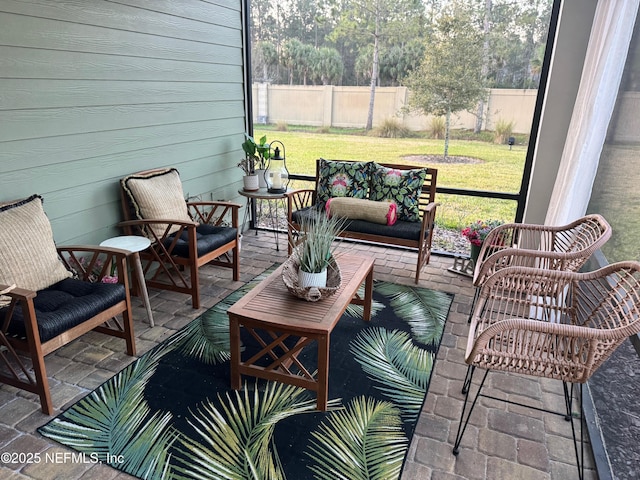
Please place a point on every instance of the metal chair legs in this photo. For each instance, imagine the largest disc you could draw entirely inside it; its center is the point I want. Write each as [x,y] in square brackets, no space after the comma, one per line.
[466,388]
[568,414]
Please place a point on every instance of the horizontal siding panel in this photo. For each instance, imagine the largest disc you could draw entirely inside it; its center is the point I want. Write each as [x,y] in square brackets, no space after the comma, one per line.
[39,93]
[16,62]
[36,153]
[87,227]
[19,30]
[120,17]
[201,11]
[22,124]
[210,156]
[93,90]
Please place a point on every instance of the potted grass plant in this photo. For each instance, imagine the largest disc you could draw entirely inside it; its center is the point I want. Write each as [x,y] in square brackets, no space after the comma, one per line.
[316,252]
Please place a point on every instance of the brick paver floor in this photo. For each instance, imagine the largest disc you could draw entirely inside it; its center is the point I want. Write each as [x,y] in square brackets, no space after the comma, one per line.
[502,441]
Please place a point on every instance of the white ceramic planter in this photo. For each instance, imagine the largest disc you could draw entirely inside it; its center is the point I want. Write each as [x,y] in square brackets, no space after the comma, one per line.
[251,182]
[306,279]
[261,181]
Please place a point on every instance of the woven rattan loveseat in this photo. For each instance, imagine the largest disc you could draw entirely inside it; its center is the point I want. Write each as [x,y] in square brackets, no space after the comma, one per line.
[415,234]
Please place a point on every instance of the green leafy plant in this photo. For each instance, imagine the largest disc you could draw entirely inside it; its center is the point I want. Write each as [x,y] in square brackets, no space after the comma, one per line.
[256,153]
[318,243]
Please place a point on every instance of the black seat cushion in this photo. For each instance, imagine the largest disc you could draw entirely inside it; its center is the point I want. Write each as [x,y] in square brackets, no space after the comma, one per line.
[208,238]
[66,304]
[400,229]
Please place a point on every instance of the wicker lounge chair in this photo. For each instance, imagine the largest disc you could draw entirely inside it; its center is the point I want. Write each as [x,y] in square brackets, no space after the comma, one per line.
[566,247]
[553,324]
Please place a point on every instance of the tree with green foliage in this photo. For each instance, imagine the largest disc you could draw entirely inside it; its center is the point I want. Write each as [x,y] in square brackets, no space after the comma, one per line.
[264,62]
[328,67]
[292,57]
[449,79]
[378,23]
[515,34]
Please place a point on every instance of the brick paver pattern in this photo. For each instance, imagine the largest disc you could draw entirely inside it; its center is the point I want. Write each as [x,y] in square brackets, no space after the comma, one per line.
[502,441]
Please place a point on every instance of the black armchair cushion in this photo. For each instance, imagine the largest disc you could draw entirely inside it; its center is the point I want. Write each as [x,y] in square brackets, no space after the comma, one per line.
[208,238]
[66,304]
[400,229]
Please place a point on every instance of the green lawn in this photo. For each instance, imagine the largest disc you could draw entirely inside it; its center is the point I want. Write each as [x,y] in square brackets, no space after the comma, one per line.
[497,168]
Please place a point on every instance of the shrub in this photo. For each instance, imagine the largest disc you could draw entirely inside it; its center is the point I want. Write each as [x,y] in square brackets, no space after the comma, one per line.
[392,128]
[437,127]
[503,131]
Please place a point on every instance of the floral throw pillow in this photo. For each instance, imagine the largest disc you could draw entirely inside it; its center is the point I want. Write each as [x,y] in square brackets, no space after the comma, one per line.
[400,186]
[342,179]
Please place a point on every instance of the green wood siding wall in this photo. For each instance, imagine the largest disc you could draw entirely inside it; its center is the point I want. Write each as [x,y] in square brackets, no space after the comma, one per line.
[93,90]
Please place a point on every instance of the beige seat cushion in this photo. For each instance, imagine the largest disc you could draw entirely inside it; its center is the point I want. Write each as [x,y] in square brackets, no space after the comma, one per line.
[28,256]
[384,212]
[157,195]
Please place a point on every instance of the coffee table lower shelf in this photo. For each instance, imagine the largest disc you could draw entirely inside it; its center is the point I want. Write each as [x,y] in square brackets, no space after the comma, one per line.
[284,325]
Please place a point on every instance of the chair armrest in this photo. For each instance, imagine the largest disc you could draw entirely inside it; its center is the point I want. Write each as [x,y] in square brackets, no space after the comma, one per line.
[140,223]
[221,203]
[94,263]
[429,215]
[20,294]
[526,335]
[143,227]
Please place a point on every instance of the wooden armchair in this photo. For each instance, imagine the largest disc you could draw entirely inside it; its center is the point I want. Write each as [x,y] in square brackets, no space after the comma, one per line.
[184,235]
[51,296]
[553,324]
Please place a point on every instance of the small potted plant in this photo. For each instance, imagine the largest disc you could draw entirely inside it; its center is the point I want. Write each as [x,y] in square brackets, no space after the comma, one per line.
[316,251]
[250,178]
[477,232]
[259,152]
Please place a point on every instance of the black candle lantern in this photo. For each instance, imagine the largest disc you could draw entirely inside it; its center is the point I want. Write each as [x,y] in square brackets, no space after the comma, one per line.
[277,175]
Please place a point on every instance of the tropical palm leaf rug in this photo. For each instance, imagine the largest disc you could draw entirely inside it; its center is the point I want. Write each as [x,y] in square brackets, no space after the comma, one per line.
[172,414]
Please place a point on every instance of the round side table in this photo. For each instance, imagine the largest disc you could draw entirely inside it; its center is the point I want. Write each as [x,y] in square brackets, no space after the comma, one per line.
[263,194]
[134,244]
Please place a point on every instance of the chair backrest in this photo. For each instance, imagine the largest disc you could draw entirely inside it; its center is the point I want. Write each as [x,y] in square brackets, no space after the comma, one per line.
[582,237]
[154,194]
[566,247]
[28,255]
[428,193]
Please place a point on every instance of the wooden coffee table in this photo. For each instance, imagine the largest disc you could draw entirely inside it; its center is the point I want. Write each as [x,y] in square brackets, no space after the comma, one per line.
[272,315]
